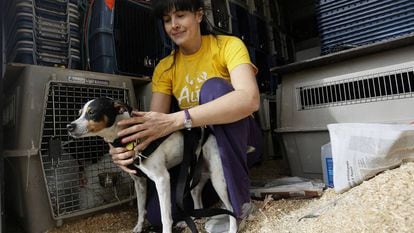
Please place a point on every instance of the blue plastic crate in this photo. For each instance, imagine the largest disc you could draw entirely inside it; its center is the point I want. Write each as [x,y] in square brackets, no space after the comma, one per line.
[326,9]
[361,33]
[346,24]
[52,5]
[367,15]
[23,55]
[102,52]
[120,43]
[42,32]
[21,37]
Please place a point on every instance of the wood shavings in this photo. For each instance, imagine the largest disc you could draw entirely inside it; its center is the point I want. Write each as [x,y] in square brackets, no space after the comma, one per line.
[382,204]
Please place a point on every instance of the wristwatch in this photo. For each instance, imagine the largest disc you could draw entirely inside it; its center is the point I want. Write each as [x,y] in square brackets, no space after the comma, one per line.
[188,123]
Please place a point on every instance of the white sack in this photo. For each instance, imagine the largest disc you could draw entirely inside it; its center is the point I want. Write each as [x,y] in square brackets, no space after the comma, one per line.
[360,151]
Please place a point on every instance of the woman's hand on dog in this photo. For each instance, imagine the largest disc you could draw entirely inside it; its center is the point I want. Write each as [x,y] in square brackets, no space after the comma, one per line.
[122,158]
[145,127]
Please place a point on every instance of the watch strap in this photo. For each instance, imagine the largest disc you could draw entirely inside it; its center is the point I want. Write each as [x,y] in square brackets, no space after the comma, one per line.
[187,121]
[187,114]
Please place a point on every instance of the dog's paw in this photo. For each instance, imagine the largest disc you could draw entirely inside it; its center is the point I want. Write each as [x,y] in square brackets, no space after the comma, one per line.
[137,228]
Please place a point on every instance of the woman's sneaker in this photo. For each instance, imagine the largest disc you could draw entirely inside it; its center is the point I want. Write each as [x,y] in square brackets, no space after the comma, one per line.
[220,223]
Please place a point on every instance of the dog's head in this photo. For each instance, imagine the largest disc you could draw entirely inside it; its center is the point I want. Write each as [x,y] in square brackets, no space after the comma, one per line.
[98,117]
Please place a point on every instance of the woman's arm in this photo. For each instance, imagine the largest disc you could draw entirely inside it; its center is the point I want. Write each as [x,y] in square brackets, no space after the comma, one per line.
[160,102]
[236,105]
[123,157]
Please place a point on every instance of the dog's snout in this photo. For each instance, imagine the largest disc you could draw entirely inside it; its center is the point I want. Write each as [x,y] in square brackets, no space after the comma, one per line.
[71,127]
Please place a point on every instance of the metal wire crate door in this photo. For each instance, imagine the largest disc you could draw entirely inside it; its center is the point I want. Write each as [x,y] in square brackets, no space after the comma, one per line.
[79,174]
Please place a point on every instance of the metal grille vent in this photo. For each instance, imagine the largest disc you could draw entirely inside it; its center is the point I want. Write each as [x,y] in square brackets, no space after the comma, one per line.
[79,174]
[382,86]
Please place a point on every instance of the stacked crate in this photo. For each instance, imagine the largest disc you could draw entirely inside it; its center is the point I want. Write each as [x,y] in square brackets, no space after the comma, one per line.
[345,24]
[217,13]
[240,21]
[43,32]
[125,38]
[250,25]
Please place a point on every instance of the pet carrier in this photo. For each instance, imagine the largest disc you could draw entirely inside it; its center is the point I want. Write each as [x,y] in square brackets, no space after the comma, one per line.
[119,41]
[376,88]
[51,176]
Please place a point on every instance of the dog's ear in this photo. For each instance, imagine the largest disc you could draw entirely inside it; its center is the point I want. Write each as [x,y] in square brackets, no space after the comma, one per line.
[121,107]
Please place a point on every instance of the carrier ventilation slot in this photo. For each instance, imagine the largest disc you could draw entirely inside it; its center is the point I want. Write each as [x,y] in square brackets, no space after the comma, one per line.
[374,87]
[78,174]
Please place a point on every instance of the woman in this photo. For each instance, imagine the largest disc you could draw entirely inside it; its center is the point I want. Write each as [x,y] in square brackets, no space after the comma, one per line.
[213,81]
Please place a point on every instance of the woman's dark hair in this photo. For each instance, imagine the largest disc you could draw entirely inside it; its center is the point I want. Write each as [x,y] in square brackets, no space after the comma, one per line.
[162,7]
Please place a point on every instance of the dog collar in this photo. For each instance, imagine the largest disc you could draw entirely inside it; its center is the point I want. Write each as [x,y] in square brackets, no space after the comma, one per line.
[118,143]
[139,155]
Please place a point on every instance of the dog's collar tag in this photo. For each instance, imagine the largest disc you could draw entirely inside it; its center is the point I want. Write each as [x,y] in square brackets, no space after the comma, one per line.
[118,143]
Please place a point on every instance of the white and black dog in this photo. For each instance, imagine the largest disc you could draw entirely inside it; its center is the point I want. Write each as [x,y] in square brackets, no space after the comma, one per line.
[99,117]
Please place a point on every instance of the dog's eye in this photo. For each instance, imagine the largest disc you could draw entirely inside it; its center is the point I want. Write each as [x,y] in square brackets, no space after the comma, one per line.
[91,112]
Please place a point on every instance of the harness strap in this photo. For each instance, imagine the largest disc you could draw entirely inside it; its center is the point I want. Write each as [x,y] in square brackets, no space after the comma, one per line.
[191,141]
[196,169]
[140,156]
[183,182]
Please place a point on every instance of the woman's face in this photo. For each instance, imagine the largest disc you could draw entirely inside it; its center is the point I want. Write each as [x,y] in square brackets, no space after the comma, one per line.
[183,27]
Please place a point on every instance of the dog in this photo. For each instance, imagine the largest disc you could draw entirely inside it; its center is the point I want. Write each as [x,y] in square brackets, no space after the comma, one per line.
[99,117]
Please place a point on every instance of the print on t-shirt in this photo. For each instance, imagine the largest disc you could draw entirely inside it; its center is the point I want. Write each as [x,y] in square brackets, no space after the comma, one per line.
[189,94]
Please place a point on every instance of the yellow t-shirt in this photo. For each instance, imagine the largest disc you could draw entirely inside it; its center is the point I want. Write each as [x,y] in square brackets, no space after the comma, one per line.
[183,75]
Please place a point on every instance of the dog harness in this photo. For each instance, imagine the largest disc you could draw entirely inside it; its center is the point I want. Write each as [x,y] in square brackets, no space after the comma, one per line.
[189,176]
[118,143]
[190,170]
[139,155]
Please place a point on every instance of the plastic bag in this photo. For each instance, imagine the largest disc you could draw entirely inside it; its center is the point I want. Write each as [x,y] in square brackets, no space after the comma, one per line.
[360,151]
[287,187]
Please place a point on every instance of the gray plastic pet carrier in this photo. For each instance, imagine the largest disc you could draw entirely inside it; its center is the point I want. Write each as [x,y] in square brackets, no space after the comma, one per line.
[49,175]
[375,88]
